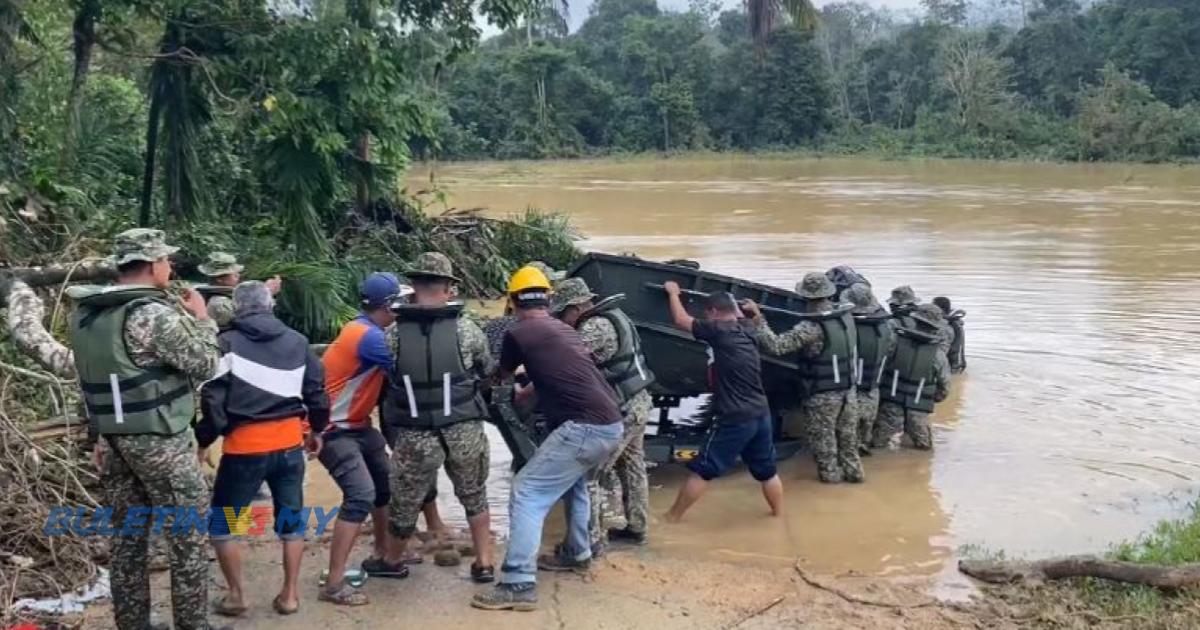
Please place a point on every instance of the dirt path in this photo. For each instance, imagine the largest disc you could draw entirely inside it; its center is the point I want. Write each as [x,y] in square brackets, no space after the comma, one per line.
[628,589]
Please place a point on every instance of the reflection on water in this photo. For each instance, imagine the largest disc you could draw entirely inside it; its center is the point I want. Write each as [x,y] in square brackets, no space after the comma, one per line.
[1073,426]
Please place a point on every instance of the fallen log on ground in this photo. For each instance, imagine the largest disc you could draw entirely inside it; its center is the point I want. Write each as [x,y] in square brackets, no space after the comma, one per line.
[93,270]
[1158,576]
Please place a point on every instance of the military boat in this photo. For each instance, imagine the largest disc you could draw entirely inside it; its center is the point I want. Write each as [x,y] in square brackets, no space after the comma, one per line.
[679,362]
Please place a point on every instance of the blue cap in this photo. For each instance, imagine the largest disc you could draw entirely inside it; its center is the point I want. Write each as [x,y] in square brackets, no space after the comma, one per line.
[379,288]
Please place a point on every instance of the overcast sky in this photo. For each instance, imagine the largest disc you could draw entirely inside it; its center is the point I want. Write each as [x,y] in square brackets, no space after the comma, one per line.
[579,8]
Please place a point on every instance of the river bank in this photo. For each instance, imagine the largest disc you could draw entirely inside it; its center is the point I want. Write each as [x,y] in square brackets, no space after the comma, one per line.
[649,588]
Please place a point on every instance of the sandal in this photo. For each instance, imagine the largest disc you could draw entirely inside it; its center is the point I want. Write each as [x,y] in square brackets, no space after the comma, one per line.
[284,610]
[345,596]
[482,575]
[225,608]
[378,567]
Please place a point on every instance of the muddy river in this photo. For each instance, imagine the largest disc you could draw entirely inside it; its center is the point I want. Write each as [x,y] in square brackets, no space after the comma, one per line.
[1074,425]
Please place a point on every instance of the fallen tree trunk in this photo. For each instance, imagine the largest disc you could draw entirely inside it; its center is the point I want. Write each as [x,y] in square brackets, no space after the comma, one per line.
[25,316]
[98,270]
[1158,576]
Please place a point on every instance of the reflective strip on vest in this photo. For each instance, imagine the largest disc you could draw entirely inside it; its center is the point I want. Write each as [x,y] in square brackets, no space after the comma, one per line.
[920,386]
[118,410]
[412,398]
[445,394]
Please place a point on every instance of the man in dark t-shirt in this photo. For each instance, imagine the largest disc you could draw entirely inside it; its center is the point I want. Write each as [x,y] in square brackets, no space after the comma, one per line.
[743,424]
[586,427]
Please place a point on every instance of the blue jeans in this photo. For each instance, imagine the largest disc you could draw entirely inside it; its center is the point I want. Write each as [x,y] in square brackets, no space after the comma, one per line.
[559,469]
[239,477]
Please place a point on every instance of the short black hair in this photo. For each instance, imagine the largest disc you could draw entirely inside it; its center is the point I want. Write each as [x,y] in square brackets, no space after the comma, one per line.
[943,303]
[134,267]
[425,283]
[721,302]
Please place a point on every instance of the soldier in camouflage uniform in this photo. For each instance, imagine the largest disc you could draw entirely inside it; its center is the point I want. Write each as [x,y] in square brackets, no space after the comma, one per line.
[829,403]
[146,455]
[433,404]
[945,333]
[902,302]
[902,410]
[876,339]
[223,271]
[620,496]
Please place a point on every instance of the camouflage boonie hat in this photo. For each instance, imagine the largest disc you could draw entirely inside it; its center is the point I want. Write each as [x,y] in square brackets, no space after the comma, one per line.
[902,296]
[923,318]
[932,312]
[547,270]
[140,244]
[815,286]
[432,265]
[569,292]
[220,264]
[861,297]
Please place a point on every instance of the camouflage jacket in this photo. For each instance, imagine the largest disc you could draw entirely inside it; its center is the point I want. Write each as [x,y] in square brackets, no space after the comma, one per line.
[806,337]
[158,334]
[472,346]
[600,337]
[220,310]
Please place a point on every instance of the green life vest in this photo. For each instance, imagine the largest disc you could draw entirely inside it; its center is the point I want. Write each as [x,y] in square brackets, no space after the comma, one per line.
[833,369]
[626,369]
[908,380]
[875,337]
[431,387]
[121,397]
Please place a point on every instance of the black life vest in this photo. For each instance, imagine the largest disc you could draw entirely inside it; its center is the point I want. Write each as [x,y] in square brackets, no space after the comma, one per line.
[430,387]
[833,369]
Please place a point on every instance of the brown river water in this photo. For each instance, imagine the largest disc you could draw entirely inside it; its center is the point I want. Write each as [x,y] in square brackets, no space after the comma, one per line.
[1072,428]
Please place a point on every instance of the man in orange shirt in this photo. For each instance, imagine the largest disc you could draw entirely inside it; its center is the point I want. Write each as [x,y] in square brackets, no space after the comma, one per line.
[355,453]
[268,390]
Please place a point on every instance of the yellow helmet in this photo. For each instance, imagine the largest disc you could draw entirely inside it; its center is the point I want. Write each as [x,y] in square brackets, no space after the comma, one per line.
[527,278]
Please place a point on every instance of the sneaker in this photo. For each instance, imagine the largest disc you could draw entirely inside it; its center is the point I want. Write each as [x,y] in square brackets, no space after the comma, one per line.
[522,597]
[561,563]
[627,536]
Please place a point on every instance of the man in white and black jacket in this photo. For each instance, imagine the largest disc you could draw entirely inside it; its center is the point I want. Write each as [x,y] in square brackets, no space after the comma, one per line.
[268,402]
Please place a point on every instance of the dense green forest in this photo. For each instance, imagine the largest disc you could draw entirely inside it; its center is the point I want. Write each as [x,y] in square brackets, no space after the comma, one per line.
[1116,80]
[281,129]
[276,130]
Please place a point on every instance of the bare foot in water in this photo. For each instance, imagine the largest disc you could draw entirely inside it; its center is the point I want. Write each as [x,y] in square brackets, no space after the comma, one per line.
[670,517]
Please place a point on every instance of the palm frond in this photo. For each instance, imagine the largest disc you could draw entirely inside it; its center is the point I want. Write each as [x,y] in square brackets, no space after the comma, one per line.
[302,179]
[765,15]
[315,299]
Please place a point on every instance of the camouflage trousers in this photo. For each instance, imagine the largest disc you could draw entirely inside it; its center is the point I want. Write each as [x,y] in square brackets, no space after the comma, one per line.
[865,411]
[894,421]
[416,458]
[157,471]
[620,495]
[833,435]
